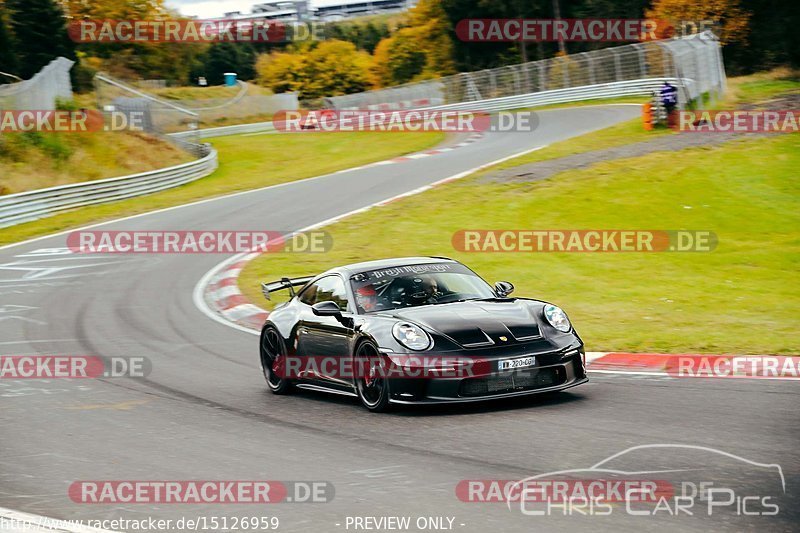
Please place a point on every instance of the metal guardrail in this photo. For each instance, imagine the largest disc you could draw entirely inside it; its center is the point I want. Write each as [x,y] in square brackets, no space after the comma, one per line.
[32,205]
[643,87]
[697,57]
[704,73]
[255,127]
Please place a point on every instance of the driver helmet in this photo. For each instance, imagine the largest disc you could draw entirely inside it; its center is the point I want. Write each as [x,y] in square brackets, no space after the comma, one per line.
[367,298]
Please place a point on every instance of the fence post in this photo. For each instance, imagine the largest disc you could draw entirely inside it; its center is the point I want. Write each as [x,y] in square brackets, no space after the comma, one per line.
[617,65]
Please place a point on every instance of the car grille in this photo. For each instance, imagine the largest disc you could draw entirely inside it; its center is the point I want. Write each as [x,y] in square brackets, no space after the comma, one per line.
[506,382]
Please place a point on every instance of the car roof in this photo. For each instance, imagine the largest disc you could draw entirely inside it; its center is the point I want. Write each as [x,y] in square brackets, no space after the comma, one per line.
[366,266]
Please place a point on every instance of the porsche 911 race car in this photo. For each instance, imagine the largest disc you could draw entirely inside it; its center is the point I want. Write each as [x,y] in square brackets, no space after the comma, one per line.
[415,330]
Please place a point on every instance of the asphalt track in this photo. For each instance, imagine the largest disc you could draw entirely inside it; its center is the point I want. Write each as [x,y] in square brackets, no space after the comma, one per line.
[204,412]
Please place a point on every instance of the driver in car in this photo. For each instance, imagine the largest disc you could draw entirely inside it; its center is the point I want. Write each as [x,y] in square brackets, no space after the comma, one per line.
[425,289]
[367,298]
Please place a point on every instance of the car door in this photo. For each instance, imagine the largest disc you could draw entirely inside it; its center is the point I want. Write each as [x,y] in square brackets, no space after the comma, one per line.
[327,339]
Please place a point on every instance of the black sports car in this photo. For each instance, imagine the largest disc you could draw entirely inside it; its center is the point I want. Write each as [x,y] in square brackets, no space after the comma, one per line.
[416,330]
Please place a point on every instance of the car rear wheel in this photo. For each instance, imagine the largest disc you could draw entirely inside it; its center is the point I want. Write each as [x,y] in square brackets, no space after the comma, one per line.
[273,359]
[372,386]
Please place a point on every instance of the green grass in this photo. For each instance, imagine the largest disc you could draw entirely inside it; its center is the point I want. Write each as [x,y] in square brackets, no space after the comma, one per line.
[763,86]
[202,93]
[35,160]
[618,135]
[736,299]
[762,90]
[248,162]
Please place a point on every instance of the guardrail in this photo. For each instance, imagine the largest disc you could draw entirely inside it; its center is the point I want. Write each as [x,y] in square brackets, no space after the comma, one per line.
[255,127]
[618,89]
[32,205]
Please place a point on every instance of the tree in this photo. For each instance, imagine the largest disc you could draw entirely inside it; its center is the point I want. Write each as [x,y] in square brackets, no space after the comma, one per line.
[398,59]
[114,9]
[365,35]
[280,71]
[329,68]
[432,32]
[732,21]
[422,49]
[40,34]
[334,68]
[228,57]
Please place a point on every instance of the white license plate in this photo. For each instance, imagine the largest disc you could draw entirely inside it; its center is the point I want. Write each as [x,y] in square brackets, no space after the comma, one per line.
[511,364]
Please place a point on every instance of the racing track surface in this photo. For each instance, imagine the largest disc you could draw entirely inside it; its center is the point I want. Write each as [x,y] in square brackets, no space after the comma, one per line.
[205,413]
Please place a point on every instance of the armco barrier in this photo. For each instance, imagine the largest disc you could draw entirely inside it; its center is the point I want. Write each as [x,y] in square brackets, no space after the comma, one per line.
[693,65]
[32,205]
[643,87]
[256,127]
[697,57]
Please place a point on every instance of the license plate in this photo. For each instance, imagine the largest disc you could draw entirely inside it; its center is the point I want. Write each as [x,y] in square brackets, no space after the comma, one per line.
[511,364]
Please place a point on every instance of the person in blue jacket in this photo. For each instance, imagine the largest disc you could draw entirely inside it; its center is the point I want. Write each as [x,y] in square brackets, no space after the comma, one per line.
[669,97]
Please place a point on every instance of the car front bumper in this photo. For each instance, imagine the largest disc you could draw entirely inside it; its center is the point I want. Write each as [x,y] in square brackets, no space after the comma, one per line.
[549,377]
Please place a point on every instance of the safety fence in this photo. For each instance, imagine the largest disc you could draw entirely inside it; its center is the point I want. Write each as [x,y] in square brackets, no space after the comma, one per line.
[694,62]
[42,91]
[168,116]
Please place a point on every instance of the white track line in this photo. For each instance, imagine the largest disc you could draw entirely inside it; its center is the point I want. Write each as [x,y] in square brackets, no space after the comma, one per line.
[165,209]
[199,289]
[231,195]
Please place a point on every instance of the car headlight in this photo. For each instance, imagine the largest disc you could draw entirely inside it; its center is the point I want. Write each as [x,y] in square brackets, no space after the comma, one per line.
[557,318]
[411,336]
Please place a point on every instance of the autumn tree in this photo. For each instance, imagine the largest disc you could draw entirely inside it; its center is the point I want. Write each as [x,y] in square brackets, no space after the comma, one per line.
[421,49]
[727,15]
[171,61]
[398,60]
[282,72]
[328,68]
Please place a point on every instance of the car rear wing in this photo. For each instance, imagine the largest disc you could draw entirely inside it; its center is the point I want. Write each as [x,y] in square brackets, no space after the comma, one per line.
[284,283]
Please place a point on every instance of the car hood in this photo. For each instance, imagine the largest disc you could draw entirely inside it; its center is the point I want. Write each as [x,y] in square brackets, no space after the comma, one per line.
[476,324]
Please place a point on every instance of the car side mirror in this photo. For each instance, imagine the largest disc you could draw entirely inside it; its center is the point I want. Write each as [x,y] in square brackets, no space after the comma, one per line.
[503,288]
[327,308]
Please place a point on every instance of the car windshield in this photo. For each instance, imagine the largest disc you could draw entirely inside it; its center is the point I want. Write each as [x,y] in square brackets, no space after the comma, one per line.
[414,285]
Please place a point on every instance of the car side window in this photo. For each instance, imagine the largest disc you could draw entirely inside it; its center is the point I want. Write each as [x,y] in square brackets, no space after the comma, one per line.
[329,288]
[309,295]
